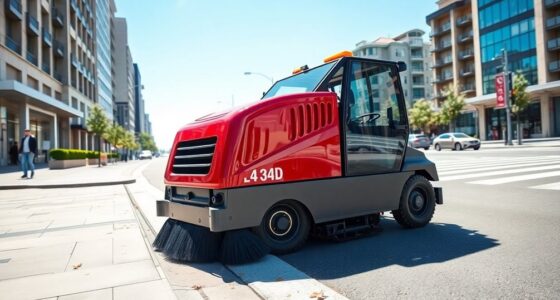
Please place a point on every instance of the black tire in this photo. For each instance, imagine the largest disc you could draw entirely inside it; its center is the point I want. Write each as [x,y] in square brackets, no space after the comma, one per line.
[416,212]
[426,148]
[457,147]
[476,148]
[437,147]
[285,227]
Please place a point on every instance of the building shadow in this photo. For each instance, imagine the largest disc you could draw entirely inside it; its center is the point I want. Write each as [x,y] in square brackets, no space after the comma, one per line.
[435,243]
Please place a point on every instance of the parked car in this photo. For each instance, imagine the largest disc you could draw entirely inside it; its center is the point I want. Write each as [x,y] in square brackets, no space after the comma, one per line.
[418,141]
[456,141]
[145,154]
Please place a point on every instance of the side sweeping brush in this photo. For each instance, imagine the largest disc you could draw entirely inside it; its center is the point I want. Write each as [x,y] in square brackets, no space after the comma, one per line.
[242,246]
[163,234]
[191,243]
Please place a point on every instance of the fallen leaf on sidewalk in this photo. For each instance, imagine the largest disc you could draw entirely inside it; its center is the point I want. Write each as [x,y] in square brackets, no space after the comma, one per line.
[196,287]
[318,295]
[77,266]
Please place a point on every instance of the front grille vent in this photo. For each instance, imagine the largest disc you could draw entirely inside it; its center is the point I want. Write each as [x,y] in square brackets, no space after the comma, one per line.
[194,157]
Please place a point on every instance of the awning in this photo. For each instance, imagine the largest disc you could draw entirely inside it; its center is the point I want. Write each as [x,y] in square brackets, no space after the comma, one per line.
[532,90]
[21,93]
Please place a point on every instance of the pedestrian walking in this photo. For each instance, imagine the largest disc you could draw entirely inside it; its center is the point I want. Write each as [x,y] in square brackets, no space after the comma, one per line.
[14,152]
[28,150]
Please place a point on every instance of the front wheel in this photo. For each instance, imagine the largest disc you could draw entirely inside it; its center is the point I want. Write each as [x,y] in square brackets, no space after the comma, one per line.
[437,147]
[417,203]
[285,227]
[476,148]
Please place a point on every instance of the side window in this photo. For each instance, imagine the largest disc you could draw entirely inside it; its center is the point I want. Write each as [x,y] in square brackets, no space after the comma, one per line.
[445,136]
[373,96]
[335,83]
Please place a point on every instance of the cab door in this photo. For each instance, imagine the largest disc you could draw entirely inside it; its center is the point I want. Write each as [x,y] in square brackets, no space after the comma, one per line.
[376,126]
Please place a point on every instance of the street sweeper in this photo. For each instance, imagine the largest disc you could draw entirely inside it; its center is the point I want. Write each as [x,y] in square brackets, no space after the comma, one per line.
[323,153]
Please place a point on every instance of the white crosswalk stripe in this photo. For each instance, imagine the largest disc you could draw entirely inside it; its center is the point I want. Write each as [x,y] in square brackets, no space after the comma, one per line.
[501,170]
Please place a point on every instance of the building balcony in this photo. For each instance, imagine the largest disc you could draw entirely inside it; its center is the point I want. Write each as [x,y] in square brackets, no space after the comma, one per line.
[31,58]
[46,67]
[57,17]
[467,88]
[418,83]
[32,25]
[554,66]
[416,57]
[465,54]
[47,37]
[13,9]
[442,79]
[441,47]
[12,44]
[469,71]
[554,44]
[74,60]
[465,37]
[464,20]
[551,3]
[441,29]
[552,23]
[417,70]
[58,49]
[443,62]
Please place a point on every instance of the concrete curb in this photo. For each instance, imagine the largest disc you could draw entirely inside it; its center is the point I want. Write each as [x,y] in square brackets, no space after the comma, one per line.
[65,185]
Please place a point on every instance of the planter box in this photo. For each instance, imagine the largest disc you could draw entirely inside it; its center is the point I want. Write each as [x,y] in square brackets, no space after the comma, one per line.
[67,163]
[95,161]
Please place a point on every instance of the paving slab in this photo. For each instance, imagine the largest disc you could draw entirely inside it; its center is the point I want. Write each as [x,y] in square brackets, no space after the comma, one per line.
[91,254]
[63,283]
[33,261]
[158,289]
[104,294]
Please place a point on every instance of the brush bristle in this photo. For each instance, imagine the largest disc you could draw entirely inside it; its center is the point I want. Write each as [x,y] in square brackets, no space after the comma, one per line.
[163,234]
[241,247]
[191,243]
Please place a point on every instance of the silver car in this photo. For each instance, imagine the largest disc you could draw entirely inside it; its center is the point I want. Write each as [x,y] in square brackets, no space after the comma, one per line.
[456,141]
[418,141]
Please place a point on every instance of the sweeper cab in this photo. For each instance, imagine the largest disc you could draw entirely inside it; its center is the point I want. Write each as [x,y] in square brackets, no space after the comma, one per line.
[324,152]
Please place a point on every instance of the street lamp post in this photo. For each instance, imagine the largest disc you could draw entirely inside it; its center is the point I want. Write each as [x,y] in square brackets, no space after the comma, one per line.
[262,75]
[506,96]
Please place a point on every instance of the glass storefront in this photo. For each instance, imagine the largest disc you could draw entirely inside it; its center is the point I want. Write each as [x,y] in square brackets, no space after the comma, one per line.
[530,122]
[466,123]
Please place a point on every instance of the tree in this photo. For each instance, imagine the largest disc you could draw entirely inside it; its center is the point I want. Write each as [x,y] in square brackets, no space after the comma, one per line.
[421,115]
[451,108]
[129,143]
[97,123]
[520,101]
[147,142]
[115,136]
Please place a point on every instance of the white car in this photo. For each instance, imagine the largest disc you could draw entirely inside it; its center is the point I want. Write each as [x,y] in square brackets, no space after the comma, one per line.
[145,154]
[456,141]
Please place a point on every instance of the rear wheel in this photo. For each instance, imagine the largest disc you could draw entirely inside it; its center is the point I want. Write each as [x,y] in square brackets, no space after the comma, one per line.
[426,148]
[437,147]
[477,147]
[458,147]
[417,204]
[285,227]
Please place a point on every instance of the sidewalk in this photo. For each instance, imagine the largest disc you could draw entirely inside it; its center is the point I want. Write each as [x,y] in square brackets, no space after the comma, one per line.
[537,142]
[118,173]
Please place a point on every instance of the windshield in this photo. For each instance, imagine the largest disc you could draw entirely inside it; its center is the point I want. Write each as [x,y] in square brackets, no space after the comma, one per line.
[300,83]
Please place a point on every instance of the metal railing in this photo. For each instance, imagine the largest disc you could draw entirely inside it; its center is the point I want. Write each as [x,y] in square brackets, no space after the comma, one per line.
[12,44]
[464,20]
[59,48]
[467,71]
[465,36]
[466,53]
[47,36]
[32,23]
[549,3]
[553,22]
[31,58]
[554,44]
[15,4]
[467,87]
[554,66]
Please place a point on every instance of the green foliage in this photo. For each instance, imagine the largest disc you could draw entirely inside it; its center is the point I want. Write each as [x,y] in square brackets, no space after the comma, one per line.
[451,108]
[97,120]
[520,98]
[147,142]
[421,115]
[68,154]
[115,135]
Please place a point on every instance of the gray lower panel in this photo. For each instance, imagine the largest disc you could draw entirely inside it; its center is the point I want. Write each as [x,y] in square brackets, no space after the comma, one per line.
[326,200]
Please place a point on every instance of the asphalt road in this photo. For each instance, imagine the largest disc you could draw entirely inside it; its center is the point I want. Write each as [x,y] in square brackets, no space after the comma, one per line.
[491,239]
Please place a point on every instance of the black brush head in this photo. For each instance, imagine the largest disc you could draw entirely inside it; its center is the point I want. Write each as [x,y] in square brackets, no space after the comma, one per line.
[192,243]
[241,247]
[163,234]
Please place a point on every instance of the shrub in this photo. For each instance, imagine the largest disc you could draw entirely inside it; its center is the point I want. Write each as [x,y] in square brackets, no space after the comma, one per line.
[62,154]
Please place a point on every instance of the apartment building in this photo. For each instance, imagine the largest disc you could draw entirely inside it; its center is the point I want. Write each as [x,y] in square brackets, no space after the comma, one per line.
[469,37]
[410,48]
[123,79]
[105,12]
[139,112]
[47,67]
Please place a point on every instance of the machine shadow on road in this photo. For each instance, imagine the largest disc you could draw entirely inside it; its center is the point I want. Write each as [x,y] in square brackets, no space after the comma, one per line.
[435,243]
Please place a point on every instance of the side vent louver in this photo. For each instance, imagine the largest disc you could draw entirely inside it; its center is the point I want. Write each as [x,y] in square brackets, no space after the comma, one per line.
[194,157]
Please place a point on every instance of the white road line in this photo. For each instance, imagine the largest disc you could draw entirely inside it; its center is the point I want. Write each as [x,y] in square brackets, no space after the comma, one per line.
[495,167]
[516,178]
[484,162]
[550,186]
[496,173]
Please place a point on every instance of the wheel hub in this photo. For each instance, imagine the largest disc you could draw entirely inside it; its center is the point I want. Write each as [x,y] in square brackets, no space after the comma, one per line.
[280,223]
[417,202]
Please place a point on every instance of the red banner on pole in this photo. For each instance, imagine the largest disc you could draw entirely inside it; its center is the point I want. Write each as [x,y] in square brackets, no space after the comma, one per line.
[500,91]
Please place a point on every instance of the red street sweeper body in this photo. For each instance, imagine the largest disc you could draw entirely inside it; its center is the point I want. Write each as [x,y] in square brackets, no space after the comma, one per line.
[323,152]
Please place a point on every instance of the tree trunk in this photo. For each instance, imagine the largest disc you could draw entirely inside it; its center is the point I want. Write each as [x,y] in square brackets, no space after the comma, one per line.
[519,133]
[99,149]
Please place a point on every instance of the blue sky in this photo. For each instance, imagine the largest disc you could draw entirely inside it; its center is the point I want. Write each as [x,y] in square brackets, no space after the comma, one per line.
[193,54]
